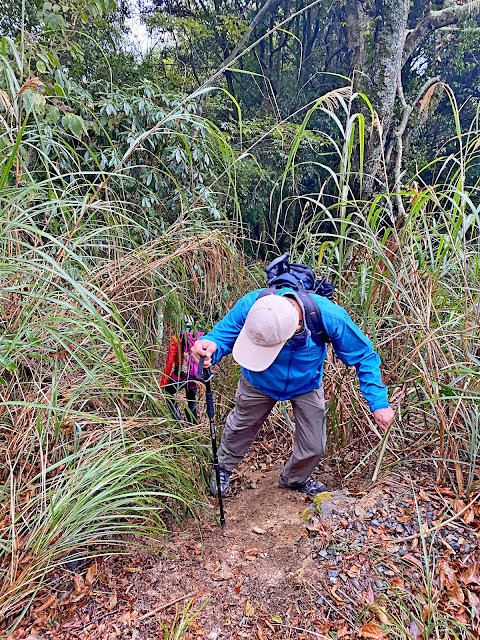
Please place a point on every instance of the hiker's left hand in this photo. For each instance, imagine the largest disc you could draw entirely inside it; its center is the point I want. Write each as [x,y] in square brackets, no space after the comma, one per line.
[384,417]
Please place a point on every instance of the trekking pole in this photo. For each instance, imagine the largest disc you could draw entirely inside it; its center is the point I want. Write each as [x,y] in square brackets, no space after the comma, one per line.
[206,378]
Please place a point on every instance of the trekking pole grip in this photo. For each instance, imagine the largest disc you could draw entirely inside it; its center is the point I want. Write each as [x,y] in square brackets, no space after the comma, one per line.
[210,405]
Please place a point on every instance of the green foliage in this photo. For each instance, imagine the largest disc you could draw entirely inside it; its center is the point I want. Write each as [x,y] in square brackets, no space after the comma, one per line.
[88,451]
[181,621]
[112,225]
[411,282]
[152,143]
[296,55]
[306,515]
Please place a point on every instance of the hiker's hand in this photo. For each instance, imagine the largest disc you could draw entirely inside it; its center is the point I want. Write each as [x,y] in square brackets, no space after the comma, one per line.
[384,417]
[204,348]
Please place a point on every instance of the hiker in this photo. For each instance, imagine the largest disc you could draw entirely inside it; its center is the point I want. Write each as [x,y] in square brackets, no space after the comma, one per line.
[280,360]
[180,372]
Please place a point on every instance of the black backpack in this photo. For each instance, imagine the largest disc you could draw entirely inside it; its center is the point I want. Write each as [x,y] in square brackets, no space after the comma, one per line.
[281,273]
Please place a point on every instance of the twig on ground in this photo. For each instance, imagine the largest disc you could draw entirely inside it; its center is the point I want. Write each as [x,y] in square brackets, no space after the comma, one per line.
[104,615]
[383,447]
[331,605]
[312,633]
[165,606]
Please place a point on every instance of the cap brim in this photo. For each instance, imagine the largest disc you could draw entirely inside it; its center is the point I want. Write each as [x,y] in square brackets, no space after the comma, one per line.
[251,356]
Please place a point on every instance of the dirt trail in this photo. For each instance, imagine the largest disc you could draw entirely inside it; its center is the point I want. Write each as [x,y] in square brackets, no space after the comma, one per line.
[254,571]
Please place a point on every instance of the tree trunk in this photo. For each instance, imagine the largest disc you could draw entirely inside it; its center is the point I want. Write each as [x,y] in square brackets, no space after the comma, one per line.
[381,83]
[357,26]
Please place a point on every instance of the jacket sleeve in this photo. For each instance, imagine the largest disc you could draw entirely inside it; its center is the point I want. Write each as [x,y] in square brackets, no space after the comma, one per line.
[355,349]
[172,359]
[225,332]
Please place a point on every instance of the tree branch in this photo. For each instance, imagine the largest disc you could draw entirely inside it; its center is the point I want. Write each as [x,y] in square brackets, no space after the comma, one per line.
[268,6]
[436,20]
[399,132]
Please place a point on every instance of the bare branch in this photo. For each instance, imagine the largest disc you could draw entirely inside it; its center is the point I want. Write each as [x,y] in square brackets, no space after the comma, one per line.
[267,7]
[436,20]
[400,130]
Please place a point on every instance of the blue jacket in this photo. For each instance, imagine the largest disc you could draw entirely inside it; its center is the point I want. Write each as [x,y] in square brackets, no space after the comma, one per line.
[300,370]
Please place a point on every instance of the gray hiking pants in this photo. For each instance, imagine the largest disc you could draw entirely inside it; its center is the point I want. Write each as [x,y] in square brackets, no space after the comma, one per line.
[251,410]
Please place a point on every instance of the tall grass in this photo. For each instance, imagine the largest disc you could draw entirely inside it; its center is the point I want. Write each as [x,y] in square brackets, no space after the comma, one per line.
[88,452]
[407,265]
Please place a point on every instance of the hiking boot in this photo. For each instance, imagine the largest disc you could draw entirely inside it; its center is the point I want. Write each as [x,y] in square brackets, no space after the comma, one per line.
[310,487]
[224,482]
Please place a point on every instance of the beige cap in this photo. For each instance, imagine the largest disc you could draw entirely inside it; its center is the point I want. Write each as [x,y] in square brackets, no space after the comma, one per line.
[271,321]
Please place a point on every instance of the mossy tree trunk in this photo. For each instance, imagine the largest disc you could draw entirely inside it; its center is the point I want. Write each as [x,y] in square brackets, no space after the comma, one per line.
[386,64]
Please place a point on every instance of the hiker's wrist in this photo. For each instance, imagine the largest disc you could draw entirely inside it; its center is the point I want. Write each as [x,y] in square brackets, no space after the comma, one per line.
[384,417]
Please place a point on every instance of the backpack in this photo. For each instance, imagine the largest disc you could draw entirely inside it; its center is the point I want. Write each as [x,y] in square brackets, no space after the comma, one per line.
[188,366]
[281,273]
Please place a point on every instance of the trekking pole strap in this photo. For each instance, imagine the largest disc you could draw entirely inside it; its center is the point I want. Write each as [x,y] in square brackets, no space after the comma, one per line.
[200,367]
[204,375]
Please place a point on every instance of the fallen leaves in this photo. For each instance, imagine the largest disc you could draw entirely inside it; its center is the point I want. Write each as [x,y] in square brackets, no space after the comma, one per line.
[397,582]
[370,596]
[413,560]
[129,618]
[371,630]
[427,611]
[92,570]
[448,580]
[79,585]
[112,602]
[353,572]
[471,575]
[333,593]
[343,631]
[49,602]
[368,582]
[474,602]
[251,554]
[212,566]
[380,612]
[415,631]
[82,586]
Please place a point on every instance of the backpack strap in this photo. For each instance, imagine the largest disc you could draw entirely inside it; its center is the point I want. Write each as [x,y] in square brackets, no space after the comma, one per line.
[267,292]
[313,318]
[313,315]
